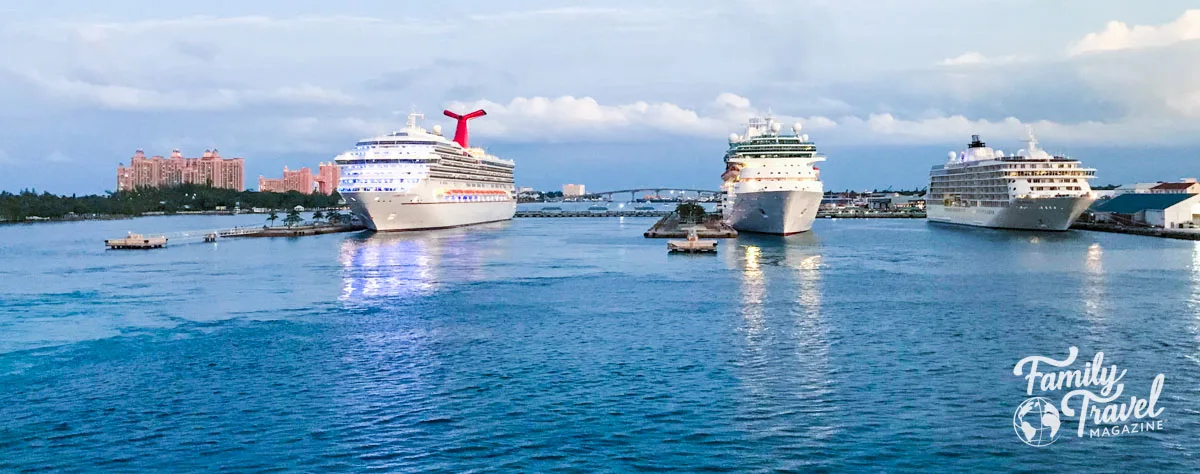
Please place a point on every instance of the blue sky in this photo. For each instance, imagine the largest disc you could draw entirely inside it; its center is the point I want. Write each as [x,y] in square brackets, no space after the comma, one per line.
[612,94]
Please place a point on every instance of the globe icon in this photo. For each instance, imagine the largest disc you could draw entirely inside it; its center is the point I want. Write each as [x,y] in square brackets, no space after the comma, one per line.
[1037,422]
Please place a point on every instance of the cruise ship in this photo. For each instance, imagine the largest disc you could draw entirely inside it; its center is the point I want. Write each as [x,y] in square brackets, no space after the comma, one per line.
[1031,190]
[770,181]
[416,179]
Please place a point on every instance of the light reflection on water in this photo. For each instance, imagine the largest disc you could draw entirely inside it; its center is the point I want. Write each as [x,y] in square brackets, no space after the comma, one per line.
[1094,283]
[785,359]
[388,264]
[753,289]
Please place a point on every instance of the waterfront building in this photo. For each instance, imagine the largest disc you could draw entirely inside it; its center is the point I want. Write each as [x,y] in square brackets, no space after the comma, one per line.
[1135,188]
[836,201]
[889,201]
[328,175]
[573,190]
[303,180]
[300,180]
[155,172]
[1165,210]
[1186,186]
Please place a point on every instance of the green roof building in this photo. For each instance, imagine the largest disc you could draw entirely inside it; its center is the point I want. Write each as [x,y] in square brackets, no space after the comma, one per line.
[1171,211]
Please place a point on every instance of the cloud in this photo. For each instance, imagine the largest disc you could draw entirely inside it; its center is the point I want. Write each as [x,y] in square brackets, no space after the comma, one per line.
[1120,36]
[134,98]
[571,118]
[5,159]
[58,157]
[565,119]
[973,57]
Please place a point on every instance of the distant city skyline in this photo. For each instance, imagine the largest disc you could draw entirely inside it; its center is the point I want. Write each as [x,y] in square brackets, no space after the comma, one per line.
[884,88]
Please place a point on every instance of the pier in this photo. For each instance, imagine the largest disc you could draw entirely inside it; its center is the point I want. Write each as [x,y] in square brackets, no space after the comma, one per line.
[136,241]
[1146,231]
[672,227]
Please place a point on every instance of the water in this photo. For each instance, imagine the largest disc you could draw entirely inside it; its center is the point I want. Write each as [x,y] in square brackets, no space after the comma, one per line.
[538,344]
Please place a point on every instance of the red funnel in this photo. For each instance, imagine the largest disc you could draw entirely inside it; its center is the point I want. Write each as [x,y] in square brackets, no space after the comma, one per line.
[460,131]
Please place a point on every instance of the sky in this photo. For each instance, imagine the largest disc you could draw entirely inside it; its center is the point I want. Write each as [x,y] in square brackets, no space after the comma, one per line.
[613,94]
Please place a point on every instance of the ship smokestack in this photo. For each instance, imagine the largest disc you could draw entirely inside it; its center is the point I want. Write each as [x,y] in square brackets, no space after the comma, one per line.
[460,131]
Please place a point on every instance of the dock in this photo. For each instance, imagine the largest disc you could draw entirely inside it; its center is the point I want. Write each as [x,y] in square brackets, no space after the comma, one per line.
[1146,231]
[136,242]
[671,227]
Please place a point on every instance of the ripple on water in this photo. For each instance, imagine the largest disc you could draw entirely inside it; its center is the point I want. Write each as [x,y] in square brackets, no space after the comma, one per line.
[866,346]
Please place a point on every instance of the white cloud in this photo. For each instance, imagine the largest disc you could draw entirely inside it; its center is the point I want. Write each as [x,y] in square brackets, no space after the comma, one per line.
[125,97]
[541,119]
[1120,36]
[5,159]
[974,57]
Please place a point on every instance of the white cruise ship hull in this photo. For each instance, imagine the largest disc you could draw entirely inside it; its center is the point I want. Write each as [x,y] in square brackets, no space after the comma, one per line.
[1056,214]
[395,215]
[774,212]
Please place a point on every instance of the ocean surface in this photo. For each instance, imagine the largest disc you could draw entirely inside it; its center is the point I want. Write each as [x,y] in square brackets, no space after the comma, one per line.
[576,344]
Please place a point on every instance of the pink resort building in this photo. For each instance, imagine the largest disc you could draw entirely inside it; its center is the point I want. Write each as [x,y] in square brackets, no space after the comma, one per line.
[303,181]
[156,172]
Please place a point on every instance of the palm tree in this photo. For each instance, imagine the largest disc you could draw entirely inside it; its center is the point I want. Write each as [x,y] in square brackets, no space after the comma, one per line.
[317,215]
[274,216]
[293,218]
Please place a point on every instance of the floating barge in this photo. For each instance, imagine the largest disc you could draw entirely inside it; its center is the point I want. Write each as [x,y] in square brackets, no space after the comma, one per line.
[693,244]
[136,242]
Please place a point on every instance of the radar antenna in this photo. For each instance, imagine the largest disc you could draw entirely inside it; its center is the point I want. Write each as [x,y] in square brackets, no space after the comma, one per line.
[412,119]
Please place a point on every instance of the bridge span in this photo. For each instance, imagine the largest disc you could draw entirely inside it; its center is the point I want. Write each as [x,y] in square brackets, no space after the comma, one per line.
[671,193]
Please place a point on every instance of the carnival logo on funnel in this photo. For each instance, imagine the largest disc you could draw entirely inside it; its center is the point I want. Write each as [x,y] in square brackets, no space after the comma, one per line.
[1091,397]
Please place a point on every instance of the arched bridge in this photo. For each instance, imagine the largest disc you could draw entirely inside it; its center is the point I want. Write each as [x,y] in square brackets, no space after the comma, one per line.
[670,194]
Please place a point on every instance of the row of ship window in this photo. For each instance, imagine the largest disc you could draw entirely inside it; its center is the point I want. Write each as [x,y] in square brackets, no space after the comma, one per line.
[473,198]
[380,181]
[802,155]
[364,189]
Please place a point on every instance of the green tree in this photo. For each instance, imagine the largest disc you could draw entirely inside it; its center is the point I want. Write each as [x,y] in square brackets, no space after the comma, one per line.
[690,212]
[317,215]
[293,218]
[273,216]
